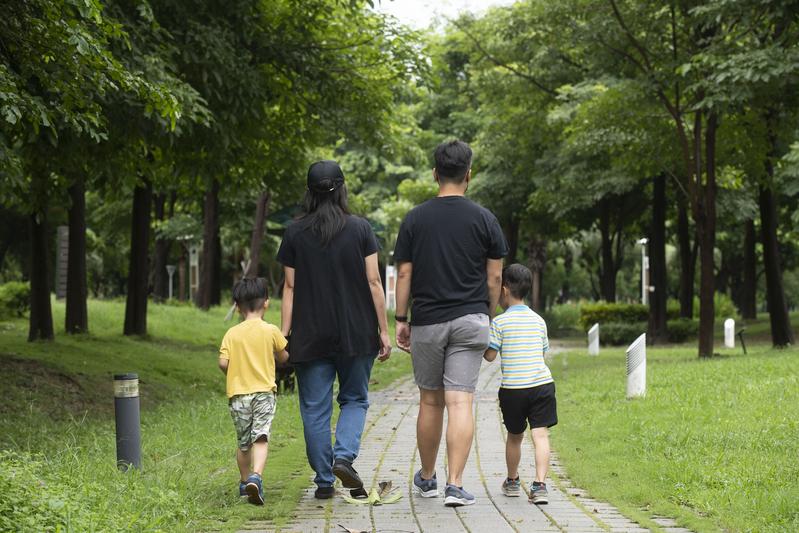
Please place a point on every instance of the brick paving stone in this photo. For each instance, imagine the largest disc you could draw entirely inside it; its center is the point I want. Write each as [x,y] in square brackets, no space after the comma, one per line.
[388,452]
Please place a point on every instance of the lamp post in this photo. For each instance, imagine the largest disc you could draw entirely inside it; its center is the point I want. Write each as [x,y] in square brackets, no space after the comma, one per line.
[644,271]
[170,269]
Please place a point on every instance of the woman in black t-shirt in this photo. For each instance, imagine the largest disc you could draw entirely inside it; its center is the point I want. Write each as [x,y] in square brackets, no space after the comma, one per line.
[334,309]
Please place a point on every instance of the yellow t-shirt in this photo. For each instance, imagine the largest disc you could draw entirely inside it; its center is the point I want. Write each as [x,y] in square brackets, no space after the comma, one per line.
[250,349]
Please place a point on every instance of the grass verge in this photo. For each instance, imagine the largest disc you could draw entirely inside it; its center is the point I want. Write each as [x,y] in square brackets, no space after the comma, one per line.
[57,447]
[714,443]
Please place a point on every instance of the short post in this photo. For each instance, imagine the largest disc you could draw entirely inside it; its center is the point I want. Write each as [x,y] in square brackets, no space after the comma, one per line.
[729,333]
[126,411]
[170,269]
[593,340]
[636,368]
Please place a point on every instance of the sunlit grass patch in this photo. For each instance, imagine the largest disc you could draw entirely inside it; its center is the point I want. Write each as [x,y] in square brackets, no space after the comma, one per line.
[713,442]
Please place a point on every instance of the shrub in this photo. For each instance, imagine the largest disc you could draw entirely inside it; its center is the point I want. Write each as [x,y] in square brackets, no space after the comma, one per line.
[14,298]
[672,309]
[620,333]
[606,313]
[682,329]
[562,318]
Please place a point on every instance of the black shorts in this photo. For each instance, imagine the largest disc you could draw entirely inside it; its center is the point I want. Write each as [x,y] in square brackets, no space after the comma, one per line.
[535,405]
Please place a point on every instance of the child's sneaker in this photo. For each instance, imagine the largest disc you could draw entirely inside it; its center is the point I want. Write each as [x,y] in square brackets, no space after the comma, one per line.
[426,488]
[511,487]
[456,496]
[242,488]
[538,493]
[255,491]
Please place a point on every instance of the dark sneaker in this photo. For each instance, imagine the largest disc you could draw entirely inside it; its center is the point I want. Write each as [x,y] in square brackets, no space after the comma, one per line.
[324,493]
[343,470]
[254,489]
[538,493]
[512,487]
[242,488]
[426,488]
[457,497]
[359,493]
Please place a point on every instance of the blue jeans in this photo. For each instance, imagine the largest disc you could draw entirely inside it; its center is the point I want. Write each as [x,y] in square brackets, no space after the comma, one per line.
[315,382]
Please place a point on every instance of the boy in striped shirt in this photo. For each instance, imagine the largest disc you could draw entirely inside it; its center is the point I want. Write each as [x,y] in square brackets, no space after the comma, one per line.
[527,392]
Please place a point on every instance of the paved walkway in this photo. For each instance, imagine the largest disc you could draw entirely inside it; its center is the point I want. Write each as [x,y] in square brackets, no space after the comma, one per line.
[388,452]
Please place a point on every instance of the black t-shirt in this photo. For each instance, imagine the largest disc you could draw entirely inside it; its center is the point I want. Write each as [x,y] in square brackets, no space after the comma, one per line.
[448,239]
[333,313]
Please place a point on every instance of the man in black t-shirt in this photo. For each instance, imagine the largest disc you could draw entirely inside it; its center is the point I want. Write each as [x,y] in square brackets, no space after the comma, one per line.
[449,261]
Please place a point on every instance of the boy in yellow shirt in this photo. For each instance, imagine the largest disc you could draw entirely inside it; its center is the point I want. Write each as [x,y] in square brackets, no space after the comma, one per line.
[247,357]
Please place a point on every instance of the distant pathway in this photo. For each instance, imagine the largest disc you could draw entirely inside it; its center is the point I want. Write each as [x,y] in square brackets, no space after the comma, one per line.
[388,452]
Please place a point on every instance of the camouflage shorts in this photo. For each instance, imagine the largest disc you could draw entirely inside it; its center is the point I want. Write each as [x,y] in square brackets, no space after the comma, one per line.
[252,415]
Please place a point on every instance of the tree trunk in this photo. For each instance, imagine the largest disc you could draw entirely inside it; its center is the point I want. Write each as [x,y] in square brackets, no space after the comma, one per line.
[568,266]
[209,290]
[77,319]
[781,332]
[511,230]
[687,262]
[41,315]
[537,258]
[182,276]
[749,285]
[657,331]
[161,256]
[705,219]
[136,306]
[607,269]
[261,212]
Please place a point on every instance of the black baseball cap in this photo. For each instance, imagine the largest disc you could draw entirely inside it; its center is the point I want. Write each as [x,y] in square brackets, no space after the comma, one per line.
[325,176]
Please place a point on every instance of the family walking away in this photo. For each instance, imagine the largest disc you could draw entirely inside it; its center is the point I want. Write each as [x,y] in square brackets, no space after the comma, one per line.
[450,280]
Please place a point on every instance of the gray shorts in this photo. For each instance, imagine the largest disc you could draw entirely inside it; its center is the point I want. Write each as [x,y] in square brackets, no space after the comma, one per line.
[448,355]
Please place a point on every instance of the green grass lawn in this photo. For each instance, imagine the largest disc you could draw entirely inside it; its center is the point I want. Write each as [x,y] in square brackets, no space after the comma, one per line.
[714,443]
[57,448]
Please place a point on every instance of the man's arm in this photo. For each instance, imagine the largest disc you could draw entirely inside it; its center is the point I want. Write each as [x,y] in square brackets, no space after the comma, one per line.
[403,295]
[494,275]
[287,306]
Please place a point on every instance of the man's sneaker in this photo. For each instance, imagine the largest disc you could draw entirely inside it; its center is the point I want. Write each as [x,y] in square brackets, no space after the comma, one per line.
[324,493]
[426,488]
[538,493]
[254,489]
[456,496]
[512,487]
[343,470]
[242,488]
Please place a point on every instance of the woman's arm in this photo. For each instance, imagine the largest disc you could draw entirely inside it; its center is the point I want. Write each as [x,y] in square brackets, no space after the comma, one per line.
[287,306]
[379,299]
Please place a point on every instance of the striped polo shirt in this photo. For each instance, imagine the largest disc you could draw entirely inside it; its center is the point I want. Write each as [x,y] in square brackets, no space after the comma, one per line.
[520,336]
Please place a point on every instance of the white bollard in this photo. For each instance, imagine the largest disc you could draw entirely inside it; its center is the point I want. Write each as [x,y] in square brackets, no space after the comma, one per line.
[636,367]
[729,333]
[593,340]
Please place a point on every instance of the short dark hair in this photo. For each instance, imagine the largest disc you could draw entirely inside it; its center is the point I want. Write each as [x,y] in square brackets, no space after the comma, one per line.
[453,161]
[250,294]
[518,280]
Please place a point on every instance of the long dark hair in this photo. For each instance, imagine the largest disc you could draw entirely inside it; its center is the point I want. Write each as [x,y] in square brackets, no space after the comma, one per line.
[325,213]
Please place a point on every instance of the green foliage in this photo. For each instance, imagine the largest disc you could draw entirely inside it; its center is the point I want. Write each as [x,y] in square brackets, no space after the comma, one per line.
[562,319]
[14,298]
[620,333]
[604,313]
[682,329]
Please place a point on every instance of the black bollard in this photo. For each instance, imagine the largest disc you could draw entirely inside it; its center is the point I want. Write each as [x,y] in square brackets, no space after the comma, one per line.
[126,409]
